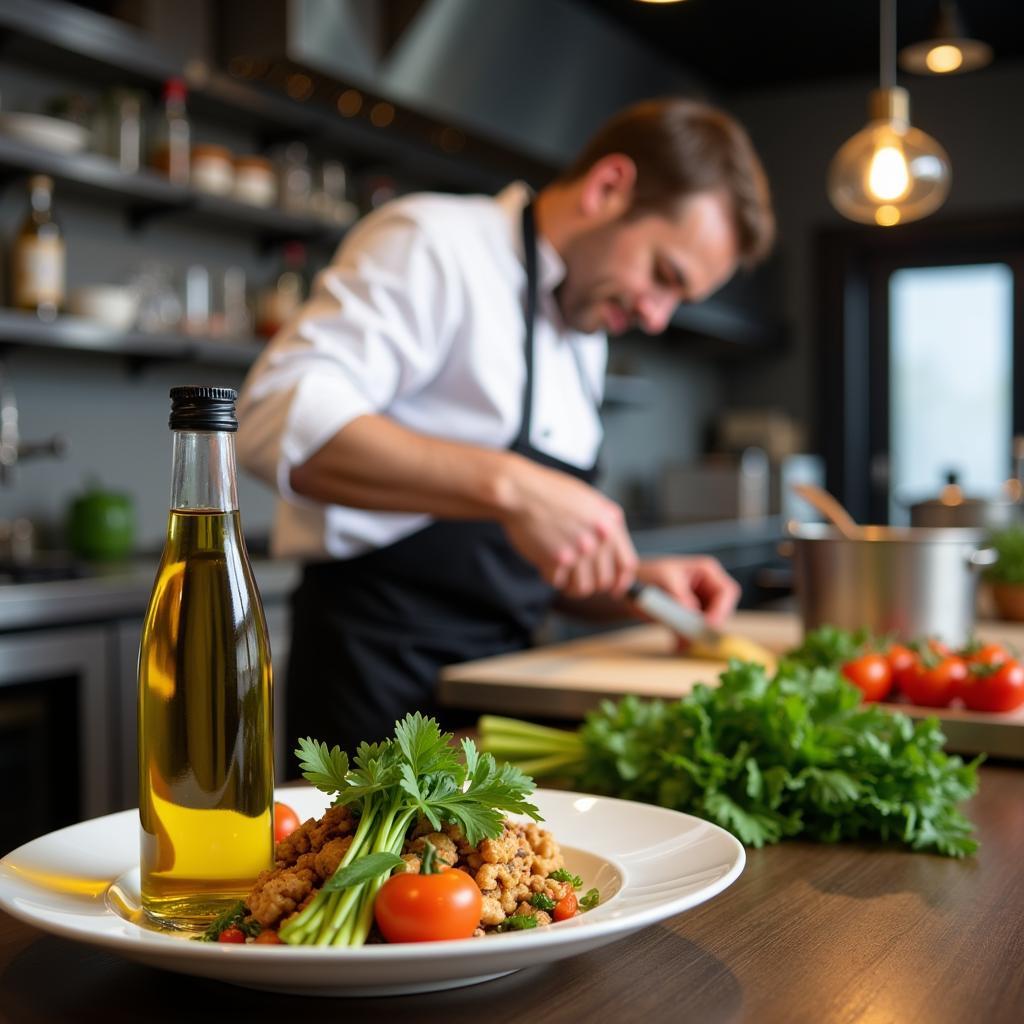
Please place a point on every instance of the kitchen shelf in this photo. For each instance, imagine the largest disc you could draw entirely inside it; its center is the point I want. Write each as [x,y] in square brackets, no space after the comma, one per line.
[25,330]
[145,194]
[110,52]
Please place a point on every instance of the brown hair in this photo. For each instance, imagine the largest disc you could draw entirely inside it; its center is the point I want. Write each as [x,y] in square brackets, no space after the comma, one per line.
[683,147]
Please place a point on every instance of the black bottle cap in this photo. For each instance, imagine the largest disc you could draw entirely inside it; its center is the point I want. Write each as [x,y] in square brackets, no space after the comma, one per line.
[203,408]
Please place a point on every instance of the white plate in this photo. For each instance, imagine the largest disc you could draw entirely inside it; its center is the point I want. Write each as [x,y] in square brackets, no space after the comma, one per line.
[648,863]
[46,132]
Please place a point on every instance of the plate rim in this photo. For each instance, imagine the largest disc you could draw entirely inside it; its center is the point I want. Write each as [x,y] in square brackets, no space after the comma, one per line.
[157,946]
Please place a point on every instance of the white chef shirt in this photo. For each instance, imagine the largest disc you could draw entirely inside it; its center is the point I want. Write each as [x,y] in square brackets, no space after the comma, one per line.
[420,318]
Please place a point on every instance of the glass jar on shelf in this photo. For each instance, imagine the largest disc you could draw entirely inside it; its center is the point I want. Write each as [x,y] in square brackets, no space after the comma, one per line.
[295,177]
[229,314]
[118,128]
[159,305]
[212,169]
[330,200]
[197,301]
[255,181]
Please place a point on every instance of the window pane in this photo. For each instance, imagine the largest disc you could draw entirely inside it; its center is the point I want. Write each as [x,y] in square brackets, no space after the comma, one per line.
[951,361]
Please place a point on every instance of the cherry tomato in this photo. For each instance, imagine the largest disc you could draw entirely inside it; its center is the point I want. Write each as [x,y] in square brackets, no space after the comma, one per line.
[987,654]
[268,938]
[232,934]
[871,674]
[286,821]
[937,647]
[999,690]
[428,908]
[565,908]
[903,661]
[934,685]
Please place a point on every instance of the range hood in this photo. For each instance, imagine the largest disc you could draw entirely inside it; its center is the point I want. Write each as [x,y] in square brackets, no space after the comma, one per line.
[537,76]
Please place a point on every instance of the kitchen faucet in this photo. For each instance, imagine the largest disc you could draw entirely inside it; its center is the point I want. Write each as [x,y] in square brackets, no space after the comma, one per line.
[12,449]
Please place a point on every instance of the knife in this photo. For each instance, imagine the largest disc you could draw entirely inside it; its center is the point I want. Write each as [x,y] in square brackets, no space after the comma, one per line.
[664,608]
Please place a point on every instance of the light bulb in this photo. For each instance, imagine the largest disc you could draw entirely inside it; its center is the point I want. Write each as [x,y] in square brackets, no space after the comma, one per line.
[943,59]
[889,172]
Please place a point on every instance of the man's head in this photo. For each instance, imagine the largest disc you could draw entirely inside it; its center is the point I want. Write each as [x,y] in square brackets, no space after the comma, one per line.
[661,207]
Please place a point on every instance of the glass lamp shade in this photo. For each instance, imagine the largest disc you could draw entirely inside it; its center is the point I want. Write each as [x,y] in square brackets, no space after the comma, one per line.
[889,172]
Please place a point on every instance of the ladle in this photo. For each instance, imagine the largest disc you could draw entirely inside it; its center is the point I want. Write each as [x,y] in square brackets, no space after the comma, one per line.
[830,508]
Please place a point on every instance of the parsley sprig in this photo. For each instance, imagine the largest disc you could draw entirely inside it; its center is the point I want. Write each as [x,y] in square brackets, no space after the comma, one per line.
[232,917]
[768,758]
[388,784]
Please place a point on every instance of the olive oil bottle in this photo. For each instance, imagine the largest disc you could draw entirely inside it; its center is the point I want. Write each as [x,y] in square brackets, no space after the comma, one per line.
[205,712]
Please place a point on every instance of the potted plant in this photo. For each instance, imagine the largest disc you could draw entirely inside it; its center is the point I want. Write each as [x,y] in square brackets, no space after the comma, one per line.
[1006,575]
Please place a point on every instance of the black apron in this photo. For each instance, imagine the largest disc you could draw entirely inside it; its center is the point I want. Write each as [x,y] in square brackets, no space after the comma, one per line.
[370,633]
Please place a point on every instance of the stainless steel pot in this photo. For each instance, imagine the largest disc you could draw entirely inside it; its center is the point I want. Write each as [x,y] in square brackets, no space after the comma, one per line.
[906,581]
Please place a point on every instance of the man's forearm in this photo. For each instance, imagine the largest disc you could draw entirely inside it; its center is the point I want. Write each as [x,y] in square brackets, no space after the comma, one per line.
[375,463]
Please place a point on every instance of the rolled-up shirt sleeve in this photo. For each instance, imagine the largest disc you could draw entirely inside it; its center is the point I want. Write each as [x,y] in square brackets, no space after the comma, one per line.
[376,327]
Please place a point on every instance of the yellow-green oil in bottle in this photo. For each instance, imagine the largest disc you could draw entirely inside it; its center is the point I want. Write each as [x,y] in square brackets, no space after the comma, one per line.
[205,714]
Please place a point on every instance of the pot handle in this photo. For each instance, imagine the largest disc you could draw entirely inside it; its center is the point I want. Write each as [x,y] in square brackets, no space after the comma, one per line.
[982,557]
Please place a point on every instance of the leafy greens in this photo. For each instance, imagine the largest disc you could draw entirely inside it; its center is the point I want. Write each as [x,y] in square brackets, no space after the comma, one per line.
[766,758]
[388,784]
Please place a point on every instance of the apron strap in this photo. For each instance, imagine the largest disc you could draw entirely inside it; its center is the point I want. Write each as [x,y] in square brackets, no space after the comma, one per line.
[530,316]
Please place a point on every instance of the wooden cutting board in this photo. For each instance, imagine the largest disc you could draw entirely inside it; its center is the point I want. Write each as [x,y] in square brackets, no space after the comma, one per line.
[567,680]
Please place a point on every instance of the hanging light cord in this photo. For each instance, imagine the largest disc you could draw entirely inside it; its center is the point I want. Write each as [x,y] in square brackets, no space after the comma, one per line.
[887,44]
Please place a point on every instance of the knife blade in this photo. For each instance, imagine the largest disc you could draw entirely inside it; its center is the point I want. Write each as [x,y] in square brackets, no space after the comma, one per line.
[664,608]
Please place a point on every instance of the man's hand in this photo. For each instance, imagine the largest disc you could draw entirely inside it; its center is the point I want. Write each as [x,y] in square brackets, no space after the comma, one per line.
[697,582]
[571,532]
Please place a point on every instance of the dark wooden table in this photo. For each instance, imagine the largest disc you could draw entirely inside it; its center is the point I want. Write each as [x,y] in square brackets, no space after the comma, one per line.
[808,933]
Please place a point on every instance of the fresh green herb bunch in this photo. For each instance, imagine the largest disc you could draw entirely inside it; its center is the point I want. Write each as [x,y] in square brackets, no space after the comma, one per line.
[388,785]
[1009,565]
[829,647]
[794,755]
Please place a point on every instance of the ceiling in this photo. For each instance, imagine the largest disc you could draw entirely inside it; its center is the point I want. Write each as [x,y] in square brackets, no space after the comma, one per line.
[743,44]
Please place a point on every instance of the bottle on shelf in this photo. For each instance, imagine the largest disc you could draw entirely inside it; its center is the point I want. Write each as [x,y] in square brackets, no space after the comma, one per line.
[206,785]
[279,302]
[38,256]
[172,135]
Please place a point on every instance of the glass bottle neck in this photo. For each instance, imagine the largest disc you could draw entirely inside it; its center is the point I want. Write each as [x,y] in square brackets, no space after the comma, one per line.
[40,202]
[203,470]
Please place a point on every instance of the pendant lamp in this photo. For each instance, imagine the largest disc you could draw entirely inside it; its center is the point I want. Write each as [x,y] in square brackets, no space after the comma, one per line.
[889,172]
[949,50]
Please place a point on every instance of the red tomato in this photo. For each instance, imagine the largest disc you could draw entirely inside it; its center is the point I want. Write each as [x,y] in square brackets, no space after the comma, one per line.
[286,821]
[268,938]
[871,674]
[1001,690]
[903,661]
[988,654]
[936,646]
[935,685]
[428,908]
[565,908]
[232,934]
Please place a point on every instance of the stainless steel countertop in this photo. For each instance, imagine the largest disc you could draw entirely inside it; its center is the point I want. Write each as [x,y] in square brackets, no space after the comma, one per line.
[118,593]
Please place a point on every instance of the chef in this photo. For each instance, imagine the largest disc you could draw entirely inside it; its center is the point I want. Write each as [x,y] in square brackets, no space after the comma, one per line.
[430,418]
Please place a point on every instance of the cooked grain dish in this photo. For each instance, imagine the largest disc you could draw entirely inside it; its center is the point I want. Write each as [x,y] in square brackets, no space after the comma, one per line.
[508,869]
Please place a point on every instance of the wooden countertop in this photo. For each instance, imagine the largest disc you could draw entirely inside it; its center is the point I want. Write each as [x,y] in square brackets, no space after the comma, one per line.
[567,680]
[808,933]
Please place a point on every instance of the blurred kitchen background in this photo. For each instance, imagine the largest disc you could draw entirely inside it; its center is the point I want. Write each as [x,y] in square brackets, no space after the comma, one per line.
[187,166]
